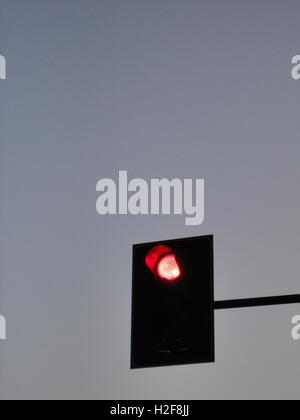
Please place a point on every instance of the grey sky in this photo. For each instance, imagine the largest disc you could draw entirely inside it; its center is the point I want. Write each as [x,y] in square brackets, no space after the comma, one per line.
[172,88]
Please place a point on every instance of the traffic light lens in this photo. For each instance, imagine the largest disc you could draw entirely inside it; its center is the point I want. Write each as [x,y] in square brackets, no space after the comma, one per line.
[161,260]
[168,268]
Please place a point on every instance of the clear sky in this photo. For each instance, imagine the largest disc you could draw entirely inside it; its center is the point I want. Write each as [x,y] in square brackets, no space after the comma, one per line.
[172,88]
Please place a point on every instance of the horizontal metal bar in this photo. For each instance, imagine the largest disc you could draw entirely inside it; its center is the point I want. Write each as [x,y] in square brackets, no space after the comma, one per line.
[264,301]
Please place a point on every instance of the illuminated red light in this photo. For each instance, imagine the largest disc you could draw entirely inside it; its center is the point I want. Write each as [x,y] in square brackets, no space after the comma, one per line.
[168,268]
[162,261]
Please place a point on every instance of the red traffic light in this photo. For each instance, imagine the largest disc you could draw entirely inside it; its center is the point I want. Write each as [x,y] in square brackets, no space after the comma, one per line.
[172,303]
[162,261]
[168,268]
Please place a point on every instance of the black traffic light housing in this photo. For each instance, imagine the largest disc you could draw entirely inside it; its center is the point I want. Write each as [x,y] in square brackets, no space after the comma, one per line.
[173,303]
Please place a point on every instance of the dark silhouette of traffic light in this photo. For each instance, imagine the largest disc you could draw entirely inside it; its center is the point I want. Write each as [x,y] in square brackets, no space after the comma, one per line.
[173,303]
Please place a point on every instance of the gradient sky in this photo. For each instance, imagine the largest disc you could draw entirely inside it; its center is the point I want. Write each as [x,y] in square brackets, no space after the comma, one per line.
[161,88]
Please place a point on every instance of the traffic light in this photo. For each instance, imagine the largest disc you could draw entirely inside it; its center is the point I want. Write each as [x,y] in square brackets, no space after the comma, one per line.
[173,303]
